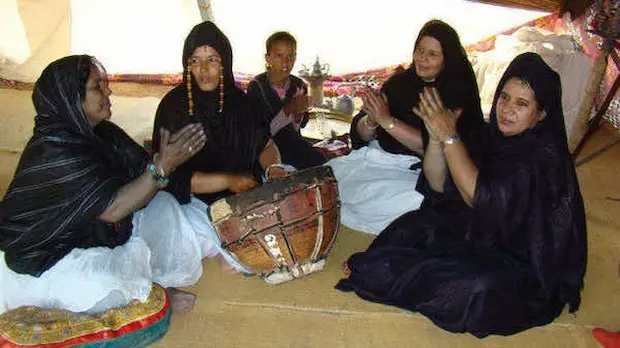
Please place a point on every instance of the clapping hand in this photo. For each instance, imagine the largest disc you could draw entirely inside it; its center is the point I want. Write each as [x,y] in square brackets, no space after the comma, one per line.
[298,105]
[438,119]
[375,106]
[179,147]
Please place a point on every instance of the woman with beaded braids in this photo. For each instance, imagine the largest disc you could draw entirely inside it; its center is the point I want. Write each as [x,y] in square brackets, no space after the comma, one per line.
[238,150]
[83,225]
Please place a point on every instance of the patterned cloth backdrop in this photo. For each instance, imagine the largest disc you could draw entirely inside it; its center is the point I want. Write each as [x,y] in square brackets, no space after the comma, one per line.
[354,83]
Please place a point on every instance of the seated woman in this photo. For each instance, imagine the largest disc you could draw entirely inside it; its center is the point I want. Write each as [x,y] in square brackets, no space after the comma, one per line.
[511,252]
[83,225]
[237,146]
[280,100]
[377,181]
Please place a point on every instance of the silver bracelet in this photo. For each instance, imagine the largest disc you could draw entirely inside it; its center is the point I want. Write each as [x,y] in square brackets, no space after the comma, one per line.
[158,174]
[275,165]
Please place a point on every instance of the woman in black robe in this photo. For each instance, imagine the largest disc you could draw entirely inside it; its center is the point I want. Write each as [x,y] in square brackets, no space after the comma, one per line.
[455,81]
[378,179]
[500,244]
[238,149]
[83,225]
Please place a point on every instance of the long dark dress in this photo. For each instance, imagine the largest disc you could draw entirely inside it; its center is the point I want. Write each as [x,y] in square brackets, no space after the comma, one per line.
[66,177]
[516,257]
[235,137]
[267,104]
[456,84]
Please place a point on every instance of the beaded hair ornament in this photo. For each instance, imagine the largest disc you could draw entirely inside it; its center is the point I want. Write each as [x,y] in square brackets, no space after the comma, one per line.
[190,98]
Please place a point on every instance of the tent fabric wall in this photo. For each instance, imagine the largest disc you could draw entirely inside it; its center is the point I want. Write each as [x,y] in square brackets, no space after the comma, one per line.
[137,36]
[46,25]
[14,48]
[145,37]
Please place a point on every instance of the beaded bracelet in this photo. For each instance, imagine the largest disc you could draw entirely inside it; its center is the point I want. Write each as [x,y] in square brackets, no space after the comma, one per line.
[158,174]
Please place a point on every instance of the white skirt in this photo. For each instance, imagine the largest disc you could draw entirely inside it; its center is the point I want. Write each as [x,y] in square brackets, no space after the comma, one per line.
[167,245]
[375,187]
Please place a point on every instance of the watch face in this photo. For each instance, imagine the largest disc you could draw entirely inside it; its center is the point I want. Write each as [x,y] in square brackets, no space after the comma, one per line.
[452,139]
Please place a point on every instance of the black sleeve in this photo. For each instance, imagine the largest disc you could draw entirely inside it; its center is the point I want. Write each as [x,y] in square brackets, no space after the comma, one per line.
[259,108]
[356,140]
[169,116]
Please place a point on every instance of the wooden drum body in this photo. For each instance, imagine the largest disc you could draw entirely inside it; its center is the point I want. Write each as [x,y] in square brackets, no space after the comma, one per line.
[283,229]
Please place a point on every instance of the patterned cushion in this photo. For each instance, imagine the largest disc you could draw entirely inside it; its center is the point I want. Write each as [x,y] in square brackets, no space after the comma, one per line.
[136,325]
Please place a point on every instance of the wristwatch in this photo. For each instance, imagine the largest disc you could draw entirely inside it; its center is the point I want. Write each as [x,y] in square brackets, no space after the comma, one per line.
[453,139]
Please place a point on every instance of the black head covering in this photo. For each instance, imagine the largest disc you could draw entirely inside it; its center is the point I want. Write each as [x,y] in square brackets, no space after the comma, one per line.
[545,82]
[208,34]
[66,176]
[456,64]
[58,95]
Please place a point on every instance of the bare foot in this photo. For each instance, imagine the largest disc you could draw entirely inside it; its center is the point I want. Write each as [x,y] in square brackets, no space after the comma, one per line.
[225,266]
[346,270]
[181,301]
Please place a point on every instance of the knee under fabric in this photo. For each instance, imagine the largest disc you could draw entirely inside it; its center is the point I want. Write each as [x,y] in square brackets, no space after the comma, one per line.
[135,325]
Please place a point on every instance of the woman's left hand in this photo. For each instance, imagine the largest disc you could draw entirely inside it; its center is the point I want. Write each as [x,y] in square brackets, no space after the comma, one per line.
[439,120]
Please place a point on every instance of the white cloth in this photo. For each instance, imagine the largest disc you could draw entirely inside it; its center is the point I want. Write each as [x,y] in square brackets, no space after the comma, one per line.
[375,187]
[167,245]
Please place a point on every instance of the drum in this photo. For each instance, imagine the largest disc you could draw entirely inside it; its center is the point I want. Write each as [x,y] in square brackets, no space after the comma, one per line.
[283,229]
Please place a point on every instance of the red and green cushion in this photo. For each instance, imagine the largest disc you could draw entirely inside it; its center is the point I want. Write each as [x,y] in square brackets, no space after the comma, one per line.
[135,325]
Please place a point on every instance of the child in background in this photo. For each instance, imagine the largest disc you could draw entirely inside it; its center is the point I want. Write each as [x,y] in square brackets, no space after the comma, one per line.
[280,100]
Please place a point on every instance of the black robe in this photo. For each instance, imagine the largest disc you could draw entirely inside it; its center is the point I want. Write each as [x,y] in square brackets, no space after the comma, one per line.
[66,177]
[235,138]
[516,257]
[267,104]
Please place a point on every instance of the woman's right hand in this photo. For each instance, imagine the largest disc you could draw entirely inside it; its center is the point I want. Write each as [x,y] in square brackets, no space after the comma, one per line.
[375,106]
[174,149]
[240,182]
[297,105]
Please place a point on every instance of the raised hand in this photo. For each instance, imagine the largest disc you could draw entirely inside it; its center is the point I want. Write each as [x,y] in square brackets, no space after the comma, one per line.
[174,149]
[298,105]
[240,182]
[375,106]
[438,119]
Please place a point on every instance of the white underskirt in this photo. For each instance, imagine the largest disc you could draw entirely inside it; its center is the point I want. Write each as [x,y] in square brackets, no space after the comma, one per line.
[167,245]
[375,187]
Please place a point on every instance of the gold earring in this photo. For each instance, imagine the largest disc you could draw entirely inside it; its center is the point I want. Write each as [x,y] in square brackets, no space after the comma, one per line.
[190,100]
[221,87]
